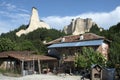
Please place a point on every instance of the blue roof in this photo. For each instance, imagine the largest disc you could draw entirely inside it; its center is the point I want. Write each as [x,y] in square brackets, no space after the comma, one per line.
[77,44]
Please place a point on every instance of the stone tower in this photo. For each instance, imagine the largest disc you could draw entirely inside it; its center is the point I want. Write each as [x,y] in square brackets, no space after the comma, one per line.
[34,23]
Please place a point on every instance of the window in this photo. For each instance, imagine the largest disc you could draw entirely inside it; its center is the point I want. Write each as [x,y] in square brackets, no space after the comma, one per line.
[96,75]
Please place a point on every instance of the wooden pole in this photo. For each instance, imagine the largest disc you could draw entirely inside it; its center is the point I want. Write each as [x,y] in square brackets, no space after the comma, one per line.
[33,66]
[7,65]
[10,65]
[13,66]
[70,71]
[28,64]
[39,66]
[22,67]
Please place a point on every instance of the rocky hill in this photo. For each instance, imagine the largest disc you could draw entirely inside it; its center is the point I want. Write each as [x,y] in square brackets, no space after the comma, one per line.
[79,26]
[34,24]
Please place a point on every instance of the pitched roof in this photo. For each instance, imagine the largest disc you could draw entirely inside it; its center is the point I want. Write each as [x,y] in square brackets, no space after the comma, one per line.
[2,55]
[25,56]
[7,53]
[74,38]
[31,57]
[77,44]
[96,65]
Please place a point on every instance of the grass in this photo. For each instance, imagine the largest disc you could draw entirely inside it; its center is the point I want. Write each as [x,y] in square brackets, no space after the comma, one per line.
[2,71]
[9,73]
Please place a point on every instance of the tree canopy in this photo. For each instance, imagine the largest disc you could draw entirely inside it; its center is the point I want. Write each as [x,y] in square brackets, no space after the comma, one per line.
[6,44]
[31,41]
[89,57]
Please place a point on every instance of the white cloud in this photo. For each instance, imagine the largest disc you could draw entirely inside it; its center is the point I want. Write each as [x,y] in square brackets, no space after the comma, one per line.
[8,5]
[13,22]
[57,22]
[103,19]
[23,10]
[2,28]
[11,7]
[10,20]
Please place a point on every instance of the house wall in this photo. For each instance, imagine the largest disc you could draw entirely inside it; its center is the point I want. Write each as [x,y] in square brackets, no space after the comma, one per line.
[68,51]
[3,65]
[63,53]
[6,65]
[60,52]
[104,49]
[54,52]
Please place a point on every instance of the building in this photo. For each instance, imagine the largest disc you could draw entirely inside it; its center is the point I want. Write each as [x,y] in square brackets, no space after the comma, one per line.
[65,48]
[26,62]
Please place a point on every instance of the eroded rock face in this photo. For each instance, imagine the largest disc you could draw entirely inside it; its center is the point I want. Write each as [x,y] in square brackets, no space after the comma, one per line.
[79,26]
[34,24]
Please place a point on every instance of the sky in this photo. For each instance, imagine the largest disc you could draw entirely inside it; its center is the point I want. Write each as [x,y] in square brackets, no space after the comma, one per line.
[58,13]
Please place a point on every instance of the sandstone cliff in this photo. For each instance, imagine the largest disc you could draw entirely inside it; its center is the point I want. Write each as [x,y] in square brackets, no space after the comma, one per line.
[79,26]
[34,24]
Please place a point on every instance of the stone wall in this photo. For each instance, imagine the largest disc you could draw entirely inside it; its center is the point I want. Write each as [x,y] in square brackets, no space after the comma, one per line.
[103,49]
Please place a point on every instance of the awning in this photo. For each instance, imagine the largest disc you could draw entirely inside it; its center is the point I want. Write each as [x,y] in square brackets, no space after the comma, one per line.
[26,56]
[32,57]
[77,44]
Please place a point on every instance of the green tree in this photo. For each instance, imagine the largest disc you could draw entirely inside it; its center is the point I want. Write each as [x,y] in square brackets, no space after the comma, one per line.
[114,56]
[44,34]
[40,47]
[6,44]
[88,57]
[24,45]
[95,29]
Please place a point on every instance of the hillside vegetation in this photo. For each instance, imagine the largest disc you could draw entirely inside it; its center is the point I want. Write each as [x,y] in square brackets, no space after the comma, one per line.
[112,34]
[31,41]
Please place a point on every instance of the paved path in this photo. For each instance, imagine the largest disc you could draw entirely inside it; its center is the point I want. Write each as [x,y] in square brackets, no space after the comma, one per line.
[41,77]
